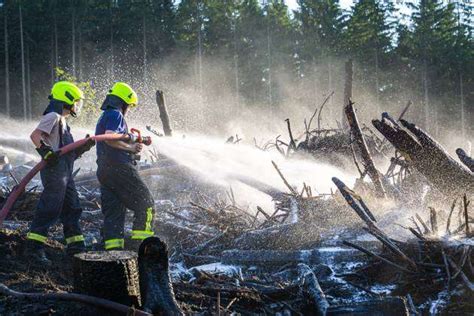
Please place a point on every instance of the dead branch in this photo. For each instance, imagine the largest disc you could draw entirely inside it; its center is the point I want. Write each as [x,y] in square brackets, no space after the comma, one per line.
[368,162]
[284,180]
[370,253]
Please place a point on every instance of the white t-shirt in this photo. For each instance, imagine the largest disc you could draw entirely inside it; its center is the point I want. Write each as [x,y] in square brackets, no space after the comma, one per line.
[49,124]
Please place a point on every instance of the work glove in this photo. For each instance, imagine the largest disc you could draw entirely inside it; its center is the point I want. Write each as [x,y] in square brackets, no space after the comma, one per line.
[86,147]
[48,154]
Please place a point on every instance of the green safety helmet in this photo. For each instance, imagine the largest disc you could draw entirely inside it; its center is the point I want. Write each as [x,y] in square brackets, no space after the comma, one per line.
[66,92]
[124,92]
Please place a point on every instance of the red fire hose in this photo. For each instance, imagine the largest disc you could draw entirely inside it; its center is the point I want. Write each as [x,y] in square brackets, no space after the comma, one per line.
[20,188]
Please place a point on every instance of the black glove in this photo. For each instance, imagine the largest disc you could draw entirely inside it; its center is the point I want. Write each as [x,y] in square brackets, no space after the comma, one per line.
[86,147]
[48,154]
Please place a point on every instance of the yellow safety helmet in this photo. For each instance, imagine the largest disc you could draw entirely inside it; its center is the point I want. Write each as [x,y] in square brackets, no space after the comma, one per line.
[67,92]
[124,92]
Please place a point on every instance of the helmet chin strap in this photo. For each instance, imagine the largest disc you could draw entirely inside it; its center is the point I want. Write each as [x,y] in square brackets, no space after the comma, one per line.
[124,108]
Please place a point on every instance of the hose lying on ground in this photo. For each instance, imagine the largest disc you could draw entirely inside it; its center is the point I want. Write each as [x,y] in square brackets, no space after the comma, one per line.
[80,298]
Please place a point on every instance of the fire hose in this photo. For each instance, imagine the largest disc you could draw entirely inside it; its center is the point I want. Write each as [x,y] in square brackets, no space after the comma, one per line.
[20,188]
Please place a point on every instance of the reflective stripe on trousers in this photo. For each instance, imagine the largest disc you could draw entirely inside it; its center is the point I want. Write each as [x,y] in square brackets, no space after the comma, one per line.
[74,239]
[37,237]
[114,243]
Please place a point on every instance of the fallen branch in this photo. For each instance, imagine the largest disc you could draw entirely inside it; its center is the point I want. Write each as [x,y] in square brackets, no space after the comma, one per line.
[370,253]
[312,289]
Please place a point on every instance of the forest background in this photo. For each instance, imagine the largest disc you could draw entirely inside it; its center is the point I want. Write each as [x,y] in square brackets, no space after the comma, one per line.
[219,60]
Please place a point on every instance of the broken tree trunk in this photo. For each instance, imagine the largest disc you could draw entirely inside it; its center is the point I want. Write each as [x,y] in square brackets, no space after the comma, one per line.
[347,92]
[111,275]
[427,156]
[367,160]
[155,284]
[315,298]
[165,119]
[465,159]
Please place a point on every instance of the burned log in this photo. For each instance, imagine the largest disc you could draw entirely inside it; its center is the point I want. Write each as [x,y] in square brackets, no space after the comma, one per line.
[155,284]
[165,120]
[111,275]
[358,137]
[427,156]
[366,215]
[465,159]
[386,306]
[316,301]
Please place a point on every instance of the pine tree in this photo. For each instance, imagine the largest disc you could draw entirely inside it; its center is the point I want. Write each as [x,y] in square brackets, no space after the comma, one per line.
[369,39]
[430,43]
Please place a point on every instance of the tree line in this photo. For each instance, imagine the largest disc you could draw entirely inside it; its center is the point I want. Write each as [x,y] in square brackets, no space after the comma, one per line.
[261,48]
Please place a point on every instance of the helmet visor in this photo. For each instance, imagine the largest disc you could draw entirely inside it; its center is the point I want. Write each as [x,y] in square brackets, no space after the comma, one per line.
[77,107]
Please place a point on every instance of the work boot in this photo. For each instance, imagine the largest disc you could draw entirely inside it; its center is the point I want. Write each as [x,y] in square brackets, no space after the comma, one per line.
[133,244]
[35,253]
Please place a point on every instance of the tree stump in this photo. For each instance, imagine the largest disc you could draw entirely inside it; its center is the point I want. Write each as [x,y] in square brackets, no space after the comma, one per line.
[155,282]
[110,275]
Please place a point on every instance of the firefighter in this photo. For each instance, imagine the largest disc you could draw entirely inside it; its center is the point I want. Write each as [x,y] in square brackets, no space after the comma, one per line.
[59,199]
[120,184]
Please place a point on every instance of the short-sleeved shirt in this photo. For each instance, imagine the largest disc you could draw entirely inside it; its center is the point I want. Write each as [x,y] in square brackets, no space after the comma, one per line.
[49,124]
[111,120]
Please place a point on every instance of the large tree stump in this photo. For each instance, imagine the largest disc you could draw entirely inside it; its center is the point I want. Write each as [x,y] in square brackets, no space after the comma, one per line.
[111,275]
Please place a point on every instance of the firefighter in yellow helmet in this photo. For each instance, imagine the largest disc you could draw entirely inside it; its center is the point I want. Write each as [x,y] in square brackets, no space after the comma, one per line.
[120,184]
[59,199]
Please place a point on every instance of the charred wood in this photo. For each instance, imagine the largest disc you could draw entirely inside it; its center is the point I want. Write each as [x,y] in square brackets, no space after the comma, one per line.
[111,275]
[427,156]
[367,160]
[465,159]
[155,284]
[315,298]
[165,120]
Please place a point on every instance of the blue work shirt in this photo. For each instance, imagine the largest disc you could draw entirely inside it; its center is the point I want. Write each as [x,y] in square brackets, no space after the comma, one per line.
[111,120]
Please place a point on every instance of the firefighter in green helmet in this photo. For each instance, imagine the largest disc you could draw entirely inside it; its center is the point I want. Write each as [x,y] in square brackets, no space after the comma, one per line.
[120,184]
[59,199]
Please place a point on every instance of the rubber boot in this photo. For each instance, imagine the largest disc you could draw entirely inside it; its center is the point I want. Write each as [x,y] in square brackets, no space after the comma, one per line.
[35,253]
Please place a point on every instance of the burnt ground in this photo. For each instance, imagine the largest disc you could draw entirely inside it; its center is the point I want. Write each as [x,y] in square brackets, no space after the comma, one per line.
[18,273]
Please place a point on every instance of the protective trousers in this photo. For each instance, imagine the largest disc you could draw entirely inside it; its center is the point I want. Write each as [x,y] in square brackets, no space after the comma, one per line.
[59,200]
[122,189]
